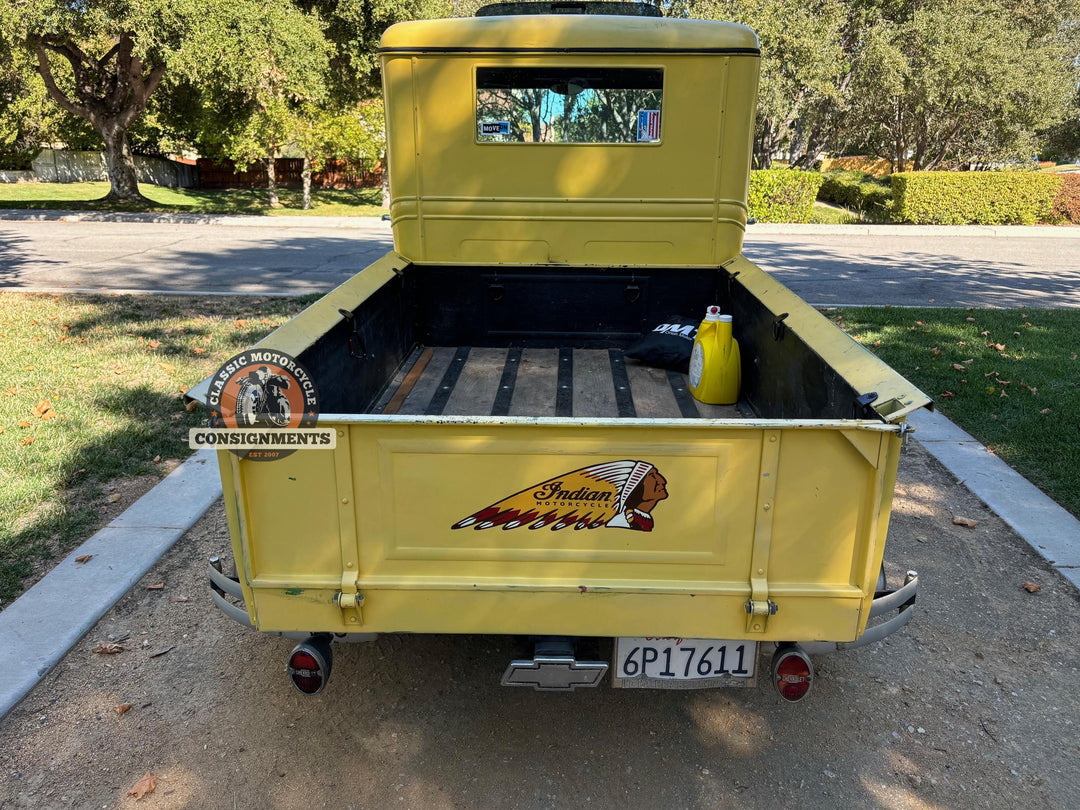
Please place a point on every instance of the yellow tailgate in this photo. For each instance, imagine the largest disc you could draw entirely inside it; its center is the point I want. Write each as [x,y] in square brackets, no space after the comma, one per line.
[363,538]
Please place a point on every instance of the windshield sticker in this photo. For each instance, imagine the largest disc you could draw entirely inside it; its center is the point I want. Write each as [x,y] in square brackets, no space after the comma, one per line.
[616,495]
[648,125]
[494,127]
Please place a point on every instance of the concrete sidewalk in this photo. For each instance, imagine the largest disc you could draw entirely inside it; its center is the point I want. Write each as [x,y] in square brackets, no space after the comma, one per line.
[38,628]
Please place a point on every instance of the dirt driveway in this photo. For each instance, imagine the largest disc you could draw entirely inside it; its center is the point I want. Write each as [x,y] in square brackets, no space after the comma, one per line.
[974,705]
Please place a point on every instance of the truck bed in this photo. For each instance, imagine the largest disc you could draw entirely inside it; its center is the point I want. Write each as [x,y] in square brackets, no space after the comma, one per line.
[476,381]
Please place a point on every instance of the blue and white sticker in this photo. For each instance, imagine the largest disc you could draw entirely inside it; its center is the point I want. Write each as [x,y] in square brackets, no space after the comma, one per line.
[648,125]
[494,127]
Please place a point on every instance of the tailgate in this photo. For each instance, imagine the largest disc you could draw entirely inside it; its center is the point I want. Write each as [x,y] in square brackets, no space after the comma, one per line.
[630,527]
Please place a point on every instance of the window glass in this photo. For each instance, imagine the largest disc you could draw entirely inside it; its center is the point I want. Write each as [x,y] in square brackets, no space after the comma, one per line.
[568,105]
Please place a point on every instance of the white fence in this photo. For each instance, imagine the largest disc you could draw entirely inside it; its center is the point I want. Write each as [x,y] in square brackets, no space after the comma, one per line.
[62,166]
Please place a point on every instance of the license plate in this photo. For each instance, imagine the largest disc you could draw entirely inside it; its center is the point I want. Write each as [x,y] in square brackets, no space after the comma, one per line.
[684,663]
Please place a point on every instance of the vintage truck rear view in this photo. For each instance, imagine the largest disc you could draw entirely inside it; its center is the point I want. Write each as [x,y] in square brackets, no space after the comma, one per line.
[562,184]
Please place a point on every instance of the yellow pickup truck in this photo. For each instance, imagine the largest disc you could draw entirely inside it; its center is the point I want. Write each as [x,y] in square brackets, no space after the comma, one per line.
[560,184]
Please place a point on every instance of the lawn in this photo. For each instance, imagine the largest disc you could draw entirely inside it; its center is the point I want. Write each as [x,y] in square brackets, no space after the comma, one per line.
[365,202]
[92,393]
[1010,378]
[833,215]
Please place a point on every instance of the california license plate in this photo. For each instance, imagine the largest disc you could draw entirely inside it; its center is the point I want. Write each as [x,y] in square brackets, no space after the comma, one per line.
[684,663]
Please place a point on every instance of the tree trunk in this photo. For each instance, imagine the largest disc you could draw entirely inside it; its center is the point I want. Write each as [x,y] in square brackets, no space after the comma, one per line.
[124,186]
[271,182]
[110,93]
[306,176]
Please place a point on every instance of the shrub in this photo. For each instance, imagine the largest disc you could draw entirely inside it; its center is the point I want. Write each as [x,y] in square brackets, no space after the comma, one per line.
[783,195]
[1066,207]
[858,191]
[973,198]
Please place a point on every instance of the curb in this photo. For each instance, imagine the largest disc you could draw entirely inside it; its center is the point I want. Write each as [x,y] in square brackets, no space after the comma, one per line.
[1048,528]
[42,625]
[237,220]
[978,231]
[379,225]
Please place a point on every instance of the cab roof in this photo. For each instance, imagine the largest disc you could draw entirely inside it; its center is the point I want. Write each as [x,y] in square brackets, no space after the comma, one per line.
[564,33]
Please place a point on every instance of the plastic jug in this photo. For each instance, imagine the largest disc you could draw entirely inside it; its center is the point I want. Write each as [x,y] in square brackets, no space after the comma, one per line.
[715,368]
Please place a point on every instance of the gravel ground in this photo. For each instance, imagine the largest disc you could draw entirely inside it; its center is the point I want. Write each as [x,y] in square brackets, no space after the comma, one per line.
[971,706]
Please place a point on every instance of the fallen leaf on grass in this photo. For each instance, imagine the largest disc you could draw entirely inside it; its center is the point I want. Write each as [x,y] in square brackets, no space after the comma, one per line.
[44,410]
[948,395]
[123,707]
[112,648]
[999,347]
[25,440]
[24,424]
[963,521]
[197,350]
[84,558]
[156,586]
[970,320]
[241,323]
[984,334]
[157,459]
[113,498]
[144,786]
[1044,411]
[153,344]
[15,389]
[958,367]
[1031,587]
[1030,388]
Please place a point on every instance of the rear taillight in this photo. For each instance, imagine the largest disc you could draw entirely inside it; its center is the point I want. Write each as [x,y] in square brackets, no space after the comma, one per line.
[792,672]
[309,665]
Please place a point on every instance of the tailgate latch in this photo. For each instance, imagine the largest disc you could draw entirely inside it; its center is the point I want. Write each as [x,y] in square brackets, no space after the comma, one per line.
[350,601]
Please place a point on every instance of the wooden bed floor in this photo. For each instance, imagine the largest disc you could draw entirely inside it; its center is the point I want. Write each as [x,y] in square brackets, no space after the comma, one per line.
[464,381]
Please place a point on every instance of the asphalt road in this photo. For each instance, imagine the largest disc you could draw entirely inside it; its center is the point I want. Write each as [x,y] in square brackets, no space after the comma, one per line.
[839,268]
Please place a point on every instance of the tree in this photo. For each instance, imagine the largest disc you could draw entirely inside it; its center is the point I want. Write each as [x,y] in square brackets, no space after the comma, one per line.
[357,135]
[251,105]
[804,67]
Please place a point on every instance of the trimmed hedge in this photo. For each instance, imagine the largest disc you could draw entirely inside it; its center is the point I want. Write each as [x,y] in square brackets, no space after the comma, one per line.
[974,198]
[858,191]
[1066,207]
[783,195]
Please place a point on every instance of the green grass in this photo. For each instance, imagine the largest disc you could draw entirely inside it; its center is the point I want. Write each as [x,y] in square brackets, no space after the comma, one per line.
[365,202]
[113,370]
[832,215]
[1022,400]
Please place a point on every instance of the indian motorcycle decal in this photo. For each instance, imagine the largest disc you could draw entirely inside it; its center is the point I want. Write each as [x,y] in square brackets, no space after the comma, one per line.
[615,494]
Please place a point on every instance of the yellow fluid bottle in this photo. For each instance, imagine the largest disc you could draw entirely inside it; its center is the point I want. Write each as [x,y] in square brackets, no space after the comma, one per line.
[715,369]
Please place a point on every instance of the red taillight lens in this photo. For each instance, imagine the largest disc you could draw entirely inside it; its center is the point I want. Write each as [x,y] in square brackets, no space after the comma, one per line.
[792,673]
[309,668]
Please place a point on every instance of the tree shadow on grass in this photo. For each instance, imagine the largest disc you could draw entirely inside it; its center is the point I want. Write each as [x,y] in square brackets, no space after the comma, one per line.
[82,471]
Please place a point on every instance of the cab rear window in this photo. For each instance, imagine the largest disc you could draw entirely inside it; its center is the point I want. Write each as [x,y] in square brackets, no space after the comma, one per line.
[568,105]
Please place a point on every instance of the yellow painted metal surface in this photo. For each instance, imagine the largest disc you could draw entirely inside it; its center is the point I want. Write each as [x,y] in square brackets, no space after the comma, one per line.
[680,201]
[793,513]
[864,371]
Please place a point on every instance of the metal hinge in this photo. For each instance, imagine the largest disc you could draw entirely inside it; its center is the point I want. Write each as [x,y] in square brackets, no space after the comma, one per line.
[758,613]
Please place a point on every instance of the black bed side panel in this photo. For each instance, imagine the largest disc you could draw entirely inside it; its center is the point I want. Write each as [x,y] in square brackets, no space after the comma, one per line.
[354,361]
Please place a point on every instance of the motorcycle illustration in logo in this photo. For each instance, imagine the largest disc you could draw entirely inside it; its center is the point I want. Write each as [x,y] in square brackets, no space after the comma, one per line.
[268,391]
[615,494]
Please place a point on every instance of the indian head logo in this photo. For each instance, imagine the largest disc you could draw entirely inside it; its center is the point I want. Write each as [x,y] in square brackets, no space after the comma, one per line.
[616,494]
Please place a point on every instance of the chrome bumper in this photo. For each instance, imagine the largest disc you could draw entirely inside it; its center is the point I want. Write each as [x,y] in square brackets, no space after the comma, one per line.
[901,600]
[222,586]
